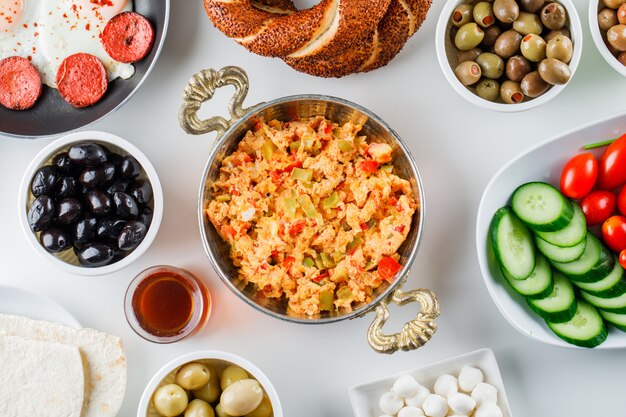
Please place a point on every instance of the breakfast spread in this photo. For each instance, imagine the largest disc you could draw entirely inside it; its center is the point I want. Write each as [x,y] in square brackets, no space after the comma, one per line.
[612,24]
[312,212]
[332,39]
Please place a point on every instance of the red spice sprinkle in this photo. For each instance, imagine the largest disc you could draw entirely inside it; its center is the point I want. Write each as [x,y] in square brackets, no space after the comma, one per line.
[87,26]
[25,25]
[30,58]
[36,33]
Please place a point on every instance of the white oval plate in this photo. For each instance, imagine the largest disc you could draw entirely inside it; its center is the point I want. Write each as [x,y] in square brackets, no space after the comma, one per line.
[21,302]
[543,162]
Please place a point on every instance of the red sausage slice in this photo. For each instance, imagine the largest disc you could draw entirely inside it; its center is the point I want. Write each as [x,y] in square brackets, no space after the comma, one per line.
[20,83]
[128,37]
[82,80]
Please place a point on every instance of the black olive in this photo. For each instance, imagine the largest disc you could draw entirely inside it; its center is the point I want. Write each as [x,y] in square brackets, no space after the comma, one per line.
[141,190]
[132,235]
[62,162]
[85,231]
[146,216]
[129,168]
[44,181]
[55,240]
[92,177]
[87,154]
[68,211]
[95,254]
[40,213]
[110,228]
[125,206]
[110,170]
[116,158]
[115,187]
[67,187]
[98,202]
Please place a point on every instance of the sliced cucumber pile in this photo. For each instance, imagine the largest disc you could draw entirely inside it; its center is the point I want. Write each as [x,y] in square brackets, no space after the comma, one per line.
[512,244]
[558,253]
[570,235]
[585,329]
[538,285]
[560,305]
[595,263]
[542,207]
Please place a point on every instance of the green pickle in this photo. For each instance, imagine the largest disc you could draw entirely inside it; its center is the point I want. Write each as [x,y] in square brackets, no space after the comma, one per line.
[344,145]
[308,262]
[345,293]
[326,300]
[290,207]
[331,201]
[223,198]
[294,146]
[303,175]
[339,274]
[327,261]
[267,149]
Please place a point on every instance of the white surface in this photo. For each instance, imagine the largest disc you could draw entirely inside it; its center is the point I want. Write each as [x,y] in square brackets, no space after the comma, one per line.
[457,146]
[542,163]
[599,41]
[22,302]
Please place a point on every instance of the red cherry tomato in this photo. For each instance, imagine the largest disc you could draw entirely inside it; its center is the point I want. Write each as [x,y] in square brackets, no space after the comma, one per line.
[612,168]
[622,258]
[614,233]
[621,201]
[598,206]
[579,175]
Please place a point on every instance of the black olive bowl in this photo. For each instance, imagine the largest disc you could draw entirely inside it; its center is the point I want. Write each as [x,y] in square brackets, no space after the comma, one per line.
[52,115]
[67,259]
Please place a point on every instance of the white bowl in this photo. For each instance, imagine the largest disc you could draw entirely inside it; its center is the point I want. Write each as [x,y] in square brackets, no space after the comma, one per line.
[66,260]
[364,397]
[218,360]
[447,60]
[599,41]
[543,162]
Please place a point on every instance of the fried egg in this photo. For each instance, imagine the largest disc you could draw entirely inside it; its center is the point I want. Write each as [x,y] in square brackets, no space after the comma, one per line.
[48,31]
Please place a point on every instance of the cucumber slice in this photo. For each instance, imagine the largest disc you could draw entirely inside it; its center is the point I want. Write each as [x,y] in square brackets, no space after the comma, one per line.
[512,244]
[593,265]
[542,207]
[570,235]
[613,285]
[617,320]
[585,329]
[611,305]
[539,283]
[560,254]
[560,305]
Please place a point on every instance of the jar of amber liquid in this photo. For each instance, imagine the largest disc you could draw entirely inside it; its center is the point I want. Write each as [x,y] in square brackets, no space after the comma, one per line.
[165,304]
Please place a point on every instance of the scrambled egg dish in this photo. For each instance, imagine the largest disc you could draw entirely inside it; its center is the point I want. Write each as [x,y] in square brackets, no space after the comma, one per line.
[312,212]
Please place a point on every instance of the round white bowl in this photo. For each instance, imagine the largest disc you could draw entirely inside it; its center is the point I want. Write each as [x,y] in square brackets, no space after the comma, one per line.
[447,60]
[66,260]
[217,359]
[599,41]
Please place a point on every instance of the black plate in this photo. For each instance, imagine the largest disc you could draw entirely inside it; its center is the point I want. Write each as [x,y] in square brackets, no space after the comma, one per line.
[52,115]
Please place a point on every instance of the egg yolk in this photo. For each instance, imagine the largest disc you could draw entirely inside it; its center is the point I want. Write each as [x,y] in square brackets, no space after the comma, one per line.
[11,12]
[102,9]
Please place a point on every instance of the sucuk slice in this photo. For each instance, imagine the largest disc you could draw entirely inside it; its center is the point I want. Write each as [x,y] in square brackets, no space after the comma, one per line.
[82,80]
[585,329]
[512,244]
[539,283]
[593,265]
[128,37]
[611,305]
[572,234]
[613,285]
[616,319]
[560,305]
[20,83]
[560,254]
[542,207]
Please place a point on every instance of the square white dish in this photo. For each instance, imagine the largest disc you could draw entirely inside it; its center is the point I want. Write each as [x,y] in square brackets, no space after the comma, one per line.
[364,397]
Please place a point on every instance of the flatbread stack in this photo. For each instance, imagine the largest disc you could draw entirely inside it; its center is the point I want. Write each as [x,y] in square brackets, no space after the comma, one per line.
[51,370]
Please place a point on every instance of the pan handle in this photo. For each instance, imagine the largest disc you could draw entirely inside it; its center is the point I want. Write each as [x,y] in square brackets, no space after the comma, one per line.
[201,88]
[416,332]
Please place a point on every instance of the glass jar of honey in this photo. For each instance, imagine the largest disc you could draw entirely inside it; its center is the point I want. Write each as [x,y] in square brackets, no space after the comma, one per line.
[165,304]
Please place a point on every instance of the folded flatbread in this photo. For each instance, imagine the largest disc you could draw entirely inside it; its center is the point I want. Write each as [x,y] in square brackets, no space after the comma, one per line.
[103,359]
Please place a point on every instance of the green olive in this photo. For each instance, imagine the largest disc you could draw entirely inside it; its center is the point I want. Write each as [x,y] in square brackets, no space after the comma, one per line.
[462,14]
[491,35]
[231,374]
[211,391]
[560,48]
[470,55]
[193,375]
[219,411]
[242,397]
[488,89]
[469,36]
[607,18]
[621,14]
[531,6]
[533,47]
[554,16]
[528,23]
[170,400]
[199,408]
[554,71]
[617,37]
[483,14]
[533,85]
[622,58]
[614,4]
[508,44]
[554,33]
[468,72]
[263,410]
[511,92]
[491,65]
[506,11]
[517,67]
[610,47]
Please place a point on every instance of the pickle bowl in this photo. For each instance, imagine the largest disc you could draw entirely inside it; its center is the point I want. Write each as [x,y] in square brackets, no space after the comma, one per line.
[598,39]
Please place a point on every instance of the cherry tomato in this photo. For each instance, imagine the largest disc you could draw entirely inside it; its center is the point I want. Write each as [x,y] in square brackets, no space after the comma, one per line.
[621,201]
[622,258]
[612,168]
[614,233]
[388,268]
[579,175]
[598,206]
